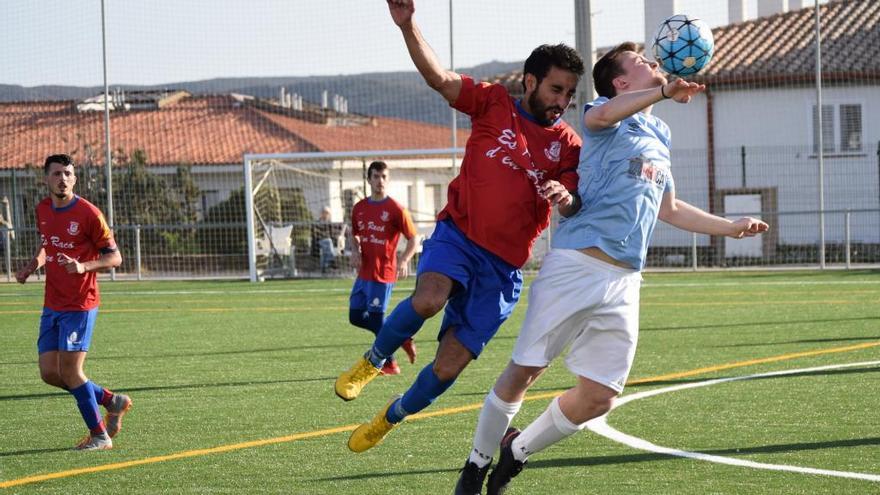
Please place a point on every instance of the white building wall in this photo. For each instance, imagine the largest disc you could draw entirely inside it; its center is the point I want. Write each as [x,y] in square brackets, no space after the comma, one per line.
[775,126]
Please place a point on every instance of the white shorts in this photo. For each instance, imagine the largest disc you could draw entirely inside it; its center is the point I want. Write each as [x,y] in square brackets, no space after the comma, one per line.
[592,306]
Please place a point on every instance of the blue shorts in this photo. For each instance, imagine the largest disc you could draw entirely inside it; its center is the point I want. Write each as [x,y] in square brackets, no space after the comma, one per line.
[66,330]
[490,286]
[370,296]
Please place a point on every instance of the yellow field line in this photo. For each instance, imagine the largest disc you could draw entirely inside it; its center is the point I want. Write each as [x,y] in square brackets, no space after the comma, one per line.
[441,412]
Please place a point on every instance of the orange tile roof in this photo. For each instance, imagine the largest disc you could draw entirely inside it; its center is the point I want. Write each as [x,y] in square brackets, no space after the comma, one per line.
[386,134]
[779,48]
[207,130]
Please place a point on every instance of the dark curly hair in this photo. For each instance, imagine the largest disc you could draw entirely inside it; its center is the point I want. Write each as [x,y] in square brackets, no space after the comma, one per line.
[561,56]
[60,159]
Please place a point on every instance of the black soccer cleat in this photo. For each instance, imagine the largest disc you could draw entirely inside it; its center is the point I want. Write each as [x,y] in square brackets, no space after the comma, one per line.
[470,481]
[507,468]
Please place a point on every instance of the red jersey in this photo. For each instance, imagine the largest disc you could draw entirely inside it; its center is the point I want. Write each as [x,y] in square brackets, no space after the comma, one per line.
[494,200]
[378,225]
[79,231]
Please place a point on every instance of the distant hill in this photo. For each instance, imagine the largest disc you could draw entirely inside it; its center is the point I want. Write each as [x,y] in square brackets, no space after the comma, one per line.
[390,94]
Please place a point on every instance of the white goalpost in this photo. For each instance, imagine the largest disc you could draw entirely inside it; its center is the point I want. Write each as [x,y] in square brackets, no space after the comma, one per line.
[298,205]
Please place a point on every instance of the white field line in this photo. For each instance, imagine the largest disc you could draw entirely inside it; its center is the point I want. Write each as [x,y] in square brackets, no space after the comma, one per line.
[600,425]
[108,291]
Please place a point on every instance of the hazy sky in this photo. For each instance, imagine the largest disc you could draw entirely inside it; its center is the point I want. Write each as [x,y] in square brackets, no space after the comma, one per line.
[164,41]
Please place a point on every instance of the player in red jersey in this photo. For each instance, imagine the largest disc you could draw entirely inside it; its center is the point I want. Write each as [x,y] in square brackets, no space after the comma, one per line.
[376,225]
[75,243]
[519,162]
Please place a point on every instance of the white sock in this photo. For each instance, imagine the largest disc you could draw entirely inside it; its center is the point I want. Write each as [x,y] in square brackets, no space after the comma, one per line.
[495,417]
[550,427]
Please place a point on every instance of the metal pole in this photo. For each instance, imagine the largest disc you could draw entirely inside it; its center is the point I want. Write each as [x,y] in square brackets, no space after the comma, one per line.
[742,159]
[694,251]
[847,234]
[364,176]
[249,214]
[137,250]
[821,143]
[107,155]
[452,110]
[583,35]
[8,253]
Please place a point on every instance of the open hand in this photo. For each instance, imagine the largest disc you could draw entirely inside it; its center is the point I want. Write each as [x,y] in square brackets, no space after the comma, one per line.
[681,90]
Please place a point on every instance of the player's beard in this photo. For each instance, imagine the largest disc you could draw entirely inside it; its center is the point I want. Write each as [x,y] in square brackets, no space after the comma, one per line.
[539,110]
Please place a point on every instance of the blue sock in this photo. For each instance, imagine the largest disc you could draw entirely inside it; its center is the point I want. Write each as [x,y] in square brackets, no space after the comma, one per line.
[402,324]
[97,390]
[420,395]
[88,407]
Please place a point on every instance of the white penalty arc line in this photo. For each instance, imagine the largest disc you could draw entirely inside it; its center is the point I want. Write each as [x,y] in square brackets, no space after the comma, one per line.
[600,425]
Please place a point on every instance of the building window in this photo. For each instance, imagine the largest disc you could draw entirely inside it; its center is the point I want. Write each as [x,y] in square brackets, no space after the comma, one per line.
[841,128]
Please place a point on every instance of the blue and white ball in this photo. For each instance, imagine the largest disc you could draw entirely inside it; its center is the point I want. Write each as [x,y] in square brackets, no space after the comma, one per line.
[683,45]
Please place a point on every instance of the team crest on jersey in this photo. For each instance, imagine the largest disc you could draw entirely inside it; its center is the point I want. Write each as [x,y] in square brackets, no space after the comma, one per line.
[385,216]
[73,228]
[552,153]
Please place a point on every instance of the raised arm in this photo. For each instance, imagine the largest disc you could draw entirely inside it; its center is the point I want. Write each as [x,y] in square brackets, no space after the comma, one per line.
[688,217]
[626,104]
[445,82]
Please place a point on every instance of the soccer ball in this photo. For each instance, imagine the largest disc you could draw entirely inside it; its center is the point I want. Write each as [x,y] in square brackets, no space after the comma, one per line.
[683,45]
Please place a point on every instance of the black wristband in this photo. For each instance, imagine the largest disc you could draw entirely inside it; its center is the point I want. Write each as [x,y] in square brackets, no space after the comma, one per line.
[663,94]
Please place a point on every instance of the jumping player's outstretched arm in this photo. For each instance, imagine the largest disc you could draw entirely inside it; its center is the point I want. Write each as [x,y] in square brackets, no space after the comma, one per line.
[688,217]
[626,104]
[445,82]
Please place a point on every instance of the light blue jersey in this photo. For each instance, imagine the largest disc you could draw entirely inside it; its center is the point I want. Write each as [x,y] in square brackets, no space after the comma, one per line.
[624,171]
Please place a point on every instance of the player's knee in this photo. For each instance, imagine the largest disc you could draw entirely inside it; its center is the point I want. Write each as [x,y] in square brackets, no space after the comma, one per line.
[427,304]
[51,377]
[356,318]
[595,404]
[72,377]
[447,370]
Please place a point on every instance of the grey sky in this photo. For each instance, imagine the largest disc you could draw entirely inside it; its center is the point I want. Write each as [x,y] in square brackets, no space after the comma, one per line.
[164,41]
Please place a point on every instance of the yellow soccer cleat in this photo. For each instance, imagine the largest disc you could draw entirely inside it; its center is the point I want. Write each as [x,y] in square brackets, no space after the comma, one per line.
[368,435]
[349,384]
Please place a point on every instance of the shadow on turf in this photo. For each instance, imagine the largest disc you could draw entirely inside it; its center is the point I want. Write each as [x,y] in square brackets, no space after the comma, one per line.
[804,341]
[630,458]
[173,387]
[682,381]
[32,452]
[361,345]
[762,449]
[752,324]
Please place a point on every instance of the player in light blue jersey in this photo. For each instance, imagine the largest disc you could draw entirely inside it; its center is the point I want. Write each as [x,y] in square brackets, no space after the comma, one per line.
[586,296]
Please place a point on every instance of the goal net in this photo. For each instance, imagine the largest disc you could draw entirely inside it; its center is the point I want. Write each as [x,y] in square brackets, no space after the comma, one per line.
[298,205]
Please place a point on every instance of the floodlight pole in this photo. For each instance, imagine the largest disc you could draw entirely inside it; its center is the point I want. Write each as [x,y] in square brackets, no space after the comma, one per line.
[583,32]
[821,141]
[108,168]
